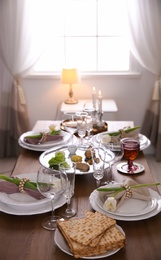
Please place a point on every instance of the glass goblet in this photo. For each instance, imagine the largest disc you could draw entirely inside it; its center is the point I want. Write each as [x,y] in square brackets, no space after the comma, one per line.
[68,168]
[98,164]
[89,125]
[81,128]
[52,186]
[70,125]
[131,149]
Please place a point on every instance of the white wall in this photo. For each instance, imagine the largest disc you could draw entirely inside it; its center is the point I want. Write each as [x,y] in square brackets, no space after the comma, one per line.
[131,93]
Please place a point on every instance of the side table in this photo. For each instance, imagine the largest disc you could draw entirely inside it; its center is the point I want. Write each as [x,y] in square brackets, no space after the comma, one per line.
[109,108]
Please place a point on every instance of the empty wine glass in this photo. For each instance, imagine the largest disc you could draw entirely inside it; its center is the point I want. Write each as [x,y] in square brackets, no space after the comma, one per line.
[89,125]
[68,169]
[110,148]
[51,185]
[98,162]
[70,125]
[131,149]
[81,133]
[109,157]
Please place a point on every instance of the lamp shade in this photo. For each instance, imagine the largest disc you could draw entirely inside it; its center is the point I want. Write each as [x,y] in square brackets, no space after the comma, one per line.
[69,76]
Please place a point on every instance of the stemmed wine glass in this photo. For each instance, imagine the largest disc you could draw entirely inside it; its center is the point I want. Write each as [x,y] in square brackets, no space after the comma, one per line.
[89,125]
[70,125]
[68,169]
[98,155]
[51,185]
[131,149]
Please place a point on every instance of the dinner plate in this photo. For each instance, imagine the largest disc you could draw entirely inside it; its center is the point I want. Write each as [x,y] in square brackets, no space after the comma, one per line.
[41,148]
[47,155]
[144,141]
[46,207]
[46,145]
[62,244]
[157,209]
[138,208]
[24,202]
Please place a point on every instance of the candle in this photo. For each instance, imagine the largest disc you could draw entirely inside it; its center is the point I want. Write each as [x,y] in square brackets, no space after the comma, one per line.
[99,101]
[94,98]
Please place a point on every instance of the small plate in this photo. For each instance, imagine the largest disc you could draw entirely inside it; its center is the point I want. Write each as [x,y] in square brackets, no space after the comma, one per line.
[47,155]
[140,168]
[62,244]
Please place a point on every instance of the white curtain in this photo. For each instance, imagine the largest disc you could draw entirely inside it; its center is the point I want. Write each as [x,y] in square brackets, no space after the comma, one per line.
[19,51]
[144,18]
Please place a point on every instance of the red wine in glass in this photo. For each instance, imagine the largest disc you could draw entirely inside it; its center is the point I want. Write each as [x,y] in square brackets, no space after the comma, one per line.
[131,149]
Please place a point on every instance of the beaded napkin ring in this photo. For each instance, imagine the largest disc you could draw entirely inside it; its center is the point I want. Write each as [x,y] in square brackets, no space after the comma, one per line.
[128,191]
[43,138]
[22,184]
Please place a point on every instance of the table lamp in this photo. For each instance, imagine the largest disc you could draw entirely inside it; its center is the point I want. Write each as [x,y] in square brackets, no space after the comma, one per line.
[70,76]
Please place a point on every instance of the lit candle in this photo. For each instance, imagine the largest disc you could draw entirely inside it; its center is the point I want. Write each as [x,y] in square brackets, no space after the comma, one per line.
[94,98]
[99,101]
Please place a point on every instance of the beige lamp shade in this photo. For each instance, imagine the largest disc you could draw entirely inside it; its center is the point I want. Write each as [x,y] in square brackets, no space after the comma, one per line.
[70,76]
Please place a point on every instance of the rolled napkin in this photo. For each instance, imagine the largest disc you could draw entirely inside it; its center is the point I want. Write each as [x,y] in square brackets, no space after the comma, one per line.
[42,138]
[115,137]
[16,185]
[113,195]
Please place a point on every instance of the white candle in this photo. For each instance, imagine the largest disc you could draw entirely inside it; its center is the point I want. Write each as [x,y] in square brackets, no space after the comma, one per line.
[99,101]
[94,98]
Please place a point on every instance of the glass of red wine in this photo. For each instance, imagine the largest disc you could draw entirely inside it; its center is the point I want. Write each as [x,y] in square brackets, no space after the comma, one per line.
[131,149]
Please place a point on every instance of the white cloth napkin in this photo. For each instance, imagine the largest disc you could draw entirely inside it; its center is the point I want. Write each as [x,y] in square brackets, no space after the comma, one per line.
[141,193]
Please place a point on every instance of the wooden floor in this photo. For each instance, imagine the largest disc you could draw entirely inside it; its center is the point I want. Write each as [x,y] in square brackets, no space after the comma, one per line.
[6,166]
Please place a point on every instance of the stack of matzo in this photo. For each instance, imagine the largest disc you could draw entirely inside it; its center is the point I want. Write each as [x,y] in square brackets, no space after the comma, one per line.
[93,235]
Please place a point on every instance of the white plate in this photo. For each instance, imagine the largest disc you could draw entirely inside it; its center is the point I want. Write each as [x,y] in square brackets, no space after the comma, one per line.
[47,145]
[46,207]
[40,148]
[22,200]
[144,141]
[47,155]
[140,168]
[138,208]
[154,212]
[62,244]
[25,202]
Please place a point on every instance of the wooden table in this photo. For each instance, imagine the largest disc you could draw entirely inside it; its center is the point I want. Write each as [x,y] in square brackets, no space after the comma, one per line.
[23,237]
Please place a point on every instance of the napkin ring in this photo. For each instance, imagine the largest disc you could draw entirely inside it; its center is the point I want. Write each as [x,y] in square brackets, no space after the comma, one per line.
[128,191]
[22,184]
[43,138]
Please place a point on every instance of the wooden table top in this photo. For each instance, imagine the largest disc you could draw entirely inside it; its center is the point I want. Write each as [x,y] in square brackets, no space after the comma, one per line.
[23,237]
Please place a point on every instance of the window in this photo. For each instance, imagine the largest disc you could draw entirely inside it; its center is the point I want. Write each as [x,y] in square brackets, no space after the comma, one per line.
[88,34]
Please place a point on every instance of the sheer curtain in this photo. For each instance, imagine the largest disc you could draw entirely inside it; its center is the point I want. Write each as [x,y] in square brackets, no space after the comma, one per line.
[145,36]
[19,51]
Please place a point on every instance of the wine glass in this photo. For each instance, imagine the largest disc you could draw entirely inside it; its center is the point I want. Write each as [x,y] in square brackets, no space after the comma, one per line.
[89,125]
[70,125]
[98,162]
[109,157]
[131,149]
[51,185]
[68,168]
[110,149]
